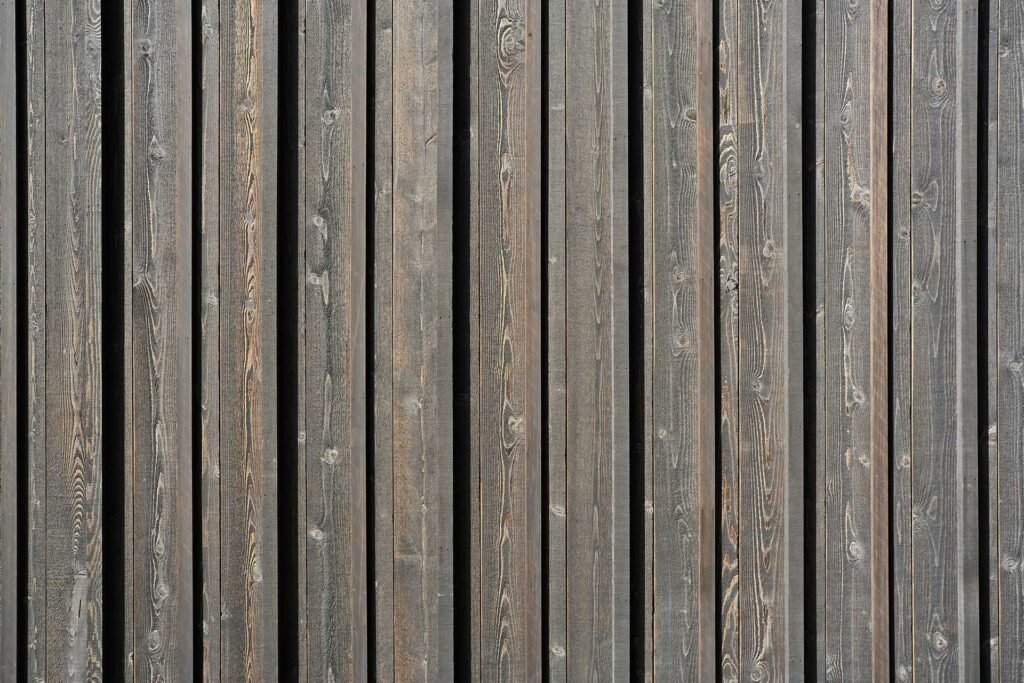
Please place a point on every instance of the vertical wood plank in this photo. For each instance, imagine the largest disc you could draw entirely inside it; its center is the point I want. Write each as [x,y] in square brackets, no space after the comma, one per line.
[852,231]
[557,576]
[597,363]
[680,344]
[936,195]
[421,419]
[208,130]
[35,205]
[74,387]
[247,224]
[158,560]
[506,223]
[9,246]
[333,215]
[1005,167]
[763,199]
[383,348]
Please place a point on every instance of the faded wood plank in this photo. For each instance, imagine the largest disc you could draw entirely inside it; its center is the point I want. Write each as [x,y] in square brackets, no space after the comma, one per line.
[74,436]
[247,224]
[333,216]
[421,419]
[383,367]
[158,557]
[9,246]
[35,257]
[852,229]
[679,348]
[1005,430]
[936,82]
[207,127]
[597,363]
[506,223]
[765,146]
[557,574]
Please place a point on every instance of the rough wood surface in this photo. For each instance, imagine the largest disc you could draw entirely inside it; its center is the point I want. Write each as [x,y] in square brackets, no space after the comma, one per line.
[158,260]
[247,225]
[506,222]
[679,342]
[597,362]
[74,439]
[760,146]
[852,309]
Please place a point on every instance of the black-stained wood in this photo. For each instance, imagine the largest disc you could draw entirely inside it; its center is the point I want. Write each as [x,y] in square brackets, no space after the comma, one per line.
[9,246]
[421,342]
[246,468]
[1005,278]
[679,342]
[70,60]
[333,355]
[596,342]
[158,261]
[506,222]
[760,148]
[852,323]
[934,204]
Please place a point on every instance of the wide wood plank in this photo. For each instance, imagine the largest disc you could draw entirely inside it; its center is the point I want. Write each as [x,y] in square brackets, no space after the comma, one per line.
[74,438]
[158,257]
[936,82]
[506,223]
[421,309]
[1005,276]
[852,307]
[247,225]
[763,201]
[9,246]
[679,345]
[597,343]
[333,359]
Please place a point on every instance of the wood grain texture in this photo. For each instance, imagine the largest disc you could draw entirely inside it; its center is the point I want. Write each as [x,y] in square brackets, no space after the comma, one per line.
[679,345]
[852,310]
[555,369]
[761,202]
[333,361]
[597,362]
[159,340]
[1005,428]
[207,128]
[936,82]
[35,256]
[421,309]
[506,222]
[9,245]
[247,223]
[73,391]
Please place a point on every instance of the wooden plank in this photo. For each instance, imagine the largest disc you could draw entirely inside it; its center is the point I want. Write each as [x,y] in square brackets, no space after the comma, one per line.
[421,418]
[158,557]
[74,388]
[764,202]
[852,229]
[383,367]
[935,81]
[333,216]
[557,575]
[1005,429]
[597,327]
[35,257]
[9,246]
[247,223]
[679,348]
[507,224]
